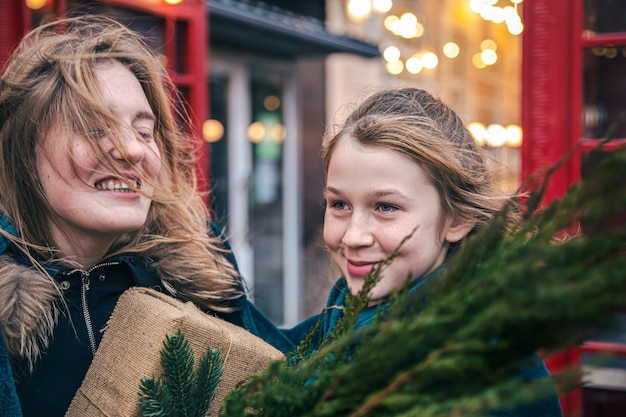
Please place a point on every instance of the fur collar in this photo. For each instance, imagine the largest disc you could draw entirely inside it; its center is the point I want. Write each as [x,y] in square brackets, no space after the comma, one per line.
[28,309]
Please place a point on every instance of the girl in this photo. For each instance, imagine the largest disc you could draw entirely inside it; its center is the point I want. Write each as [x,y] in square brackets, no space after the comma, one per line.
[403,169]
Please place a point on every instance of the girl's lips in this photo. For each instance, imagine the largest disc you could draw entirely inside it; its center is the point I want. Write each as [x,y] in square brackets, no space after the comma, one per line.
[360,268]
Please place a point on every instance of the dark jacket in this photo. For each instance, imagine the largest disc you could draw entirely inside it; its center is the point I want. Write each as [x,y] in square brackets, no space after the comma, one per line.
[533,368]
[33,320]
[9,404]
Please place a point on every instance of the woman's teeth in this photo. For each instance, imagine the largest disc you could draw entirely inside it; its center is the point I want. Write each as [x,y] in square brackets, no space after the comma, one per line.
[114,186]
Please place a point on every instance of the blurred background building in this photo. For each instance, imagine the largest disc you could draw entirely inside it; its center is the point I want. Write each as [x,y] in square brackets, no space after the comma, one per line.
[273,100]
[264,80]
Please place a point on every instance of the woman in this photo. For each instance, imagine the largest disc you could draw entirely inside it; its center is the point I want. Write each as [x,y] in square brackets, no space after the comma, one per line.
[97,193]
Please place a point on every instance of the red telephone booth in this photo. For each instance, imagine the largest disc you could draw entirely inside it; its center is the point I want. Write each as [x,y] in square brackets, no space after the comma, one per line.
[574,92]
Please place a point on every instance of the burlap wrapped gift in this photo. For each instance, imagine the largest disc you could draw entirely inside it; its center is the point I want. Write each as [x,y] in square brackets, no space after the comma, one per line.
[130,351]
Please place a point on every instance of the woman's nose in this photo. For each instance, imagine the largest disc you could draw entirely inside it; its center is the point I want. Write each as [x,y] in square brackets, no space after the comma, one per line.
[130,147]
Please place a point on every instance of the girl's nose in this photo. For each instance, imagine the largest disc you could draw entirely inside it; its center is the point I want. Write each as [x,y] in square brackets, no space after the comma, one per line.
[358,232]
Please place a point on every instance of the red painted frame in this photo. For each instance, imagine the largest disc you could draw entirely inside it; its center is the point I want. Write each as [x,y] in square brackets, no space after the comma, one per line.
[552,72]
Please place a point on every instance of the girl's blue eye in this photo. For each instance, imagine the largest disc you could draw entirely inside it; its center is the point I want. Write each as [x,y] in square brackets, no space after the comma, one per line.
[386,208]
[339,205]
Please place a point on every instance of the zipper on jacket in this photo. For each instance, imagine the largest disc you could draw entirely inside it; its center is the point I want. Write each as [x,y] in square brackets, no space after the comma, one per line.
[83,298]
[85,283]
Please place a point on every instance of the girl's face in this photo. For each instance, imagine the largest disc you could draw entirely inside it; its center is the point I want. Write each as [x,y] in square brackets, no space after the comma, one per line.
[375,198]
[93,207]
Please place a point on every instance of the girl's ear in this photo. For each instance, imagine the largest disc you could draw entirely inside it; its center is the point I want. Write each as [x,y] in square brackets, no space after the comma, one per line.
[457,231]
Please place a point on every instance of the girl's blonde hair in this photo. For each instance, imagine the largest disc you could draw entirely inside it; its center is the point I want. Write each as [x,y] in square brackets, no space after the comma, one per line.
[414,123]
[49,83]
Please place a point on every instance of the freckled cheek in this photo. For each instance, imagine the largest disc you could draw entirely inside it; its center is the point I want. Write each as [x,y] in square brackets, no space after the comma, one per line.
[155,162]
[391,239]
[83,159]
[332,233]
[155,168]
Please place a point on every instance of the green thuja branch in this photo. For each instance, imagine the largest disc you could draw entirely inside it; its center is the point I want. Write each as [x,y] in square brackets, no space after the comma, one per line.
[180,391]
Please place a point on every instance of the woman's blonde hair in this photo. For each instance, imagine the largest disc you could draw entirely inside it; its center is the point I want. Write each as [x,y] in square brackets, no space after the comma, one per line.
[414,123]
[49,83]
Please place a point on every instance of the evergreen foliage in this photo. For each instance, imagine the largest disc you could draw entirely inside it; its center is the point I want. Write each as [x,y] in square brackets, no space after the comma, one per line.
[181,391]
[543,286]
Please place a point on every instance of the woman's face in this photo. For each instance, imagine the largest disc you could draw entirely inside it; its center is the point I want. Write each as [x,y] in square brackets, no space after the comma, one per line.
[92,206]
[374,199]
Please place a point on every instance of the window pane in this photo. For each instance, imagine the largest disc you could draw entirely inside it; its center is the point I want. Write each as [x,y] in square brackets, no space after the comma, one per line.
[182,43]
[266,199]
[604,92]
[602,16]
[219,150]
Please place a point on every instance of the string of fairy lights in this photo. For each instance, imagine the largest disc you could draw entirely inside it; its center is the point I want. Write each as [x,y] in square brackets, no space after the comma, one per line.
[406,26]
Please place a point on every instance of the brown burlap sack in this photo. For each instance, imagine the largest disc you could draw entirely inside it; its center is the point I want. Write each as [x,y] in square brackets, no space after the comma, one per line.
[130,351]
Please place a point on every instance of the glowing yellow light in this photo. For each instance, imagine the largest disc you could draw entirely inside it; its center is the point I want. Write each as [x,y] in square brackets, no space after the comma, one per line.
[277,133]
[408,27]
[212,130]
[514,135]
[489,56]
[588,33]
[478,132]
[389,22]
[408,19]
[451,50]
[35,4]
[391,54]
[477,60]
[396,27]
[173,1]
[477,5]
[497,15]
[414,65]
[256,132]
[271,103]
[599,51]
[430,60]
[487,13]
[419,30]
[359,9]
[488,44]
[515,28]
[488,10]
[408,32]
[382,6]
[510,13]
[496,135]
[395,67]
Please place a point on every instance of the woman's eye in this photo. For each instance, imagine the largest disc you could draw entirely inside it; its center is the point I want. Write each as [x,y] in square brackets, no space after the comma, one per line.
[148,136]
[387,208]
[98,133]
